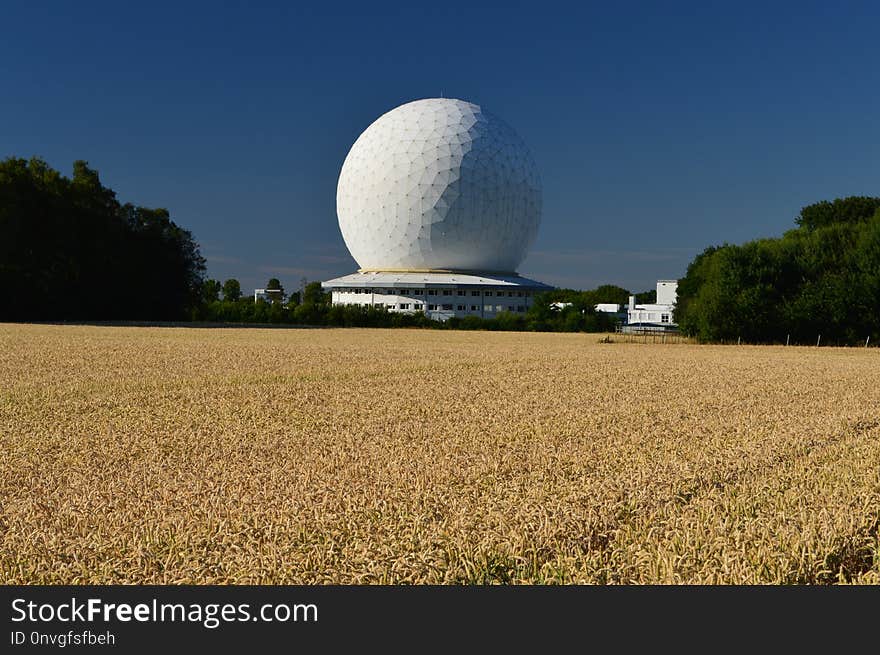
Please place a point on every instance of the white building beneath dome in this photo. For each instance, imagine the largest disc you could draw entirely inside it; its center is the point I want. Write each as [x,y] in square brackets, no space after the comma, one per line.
[439,295]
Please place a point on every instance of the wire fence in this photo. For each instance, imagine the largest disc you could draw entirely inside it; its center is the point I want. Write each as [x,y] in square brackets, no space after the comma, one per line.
[647,335]
[623,334]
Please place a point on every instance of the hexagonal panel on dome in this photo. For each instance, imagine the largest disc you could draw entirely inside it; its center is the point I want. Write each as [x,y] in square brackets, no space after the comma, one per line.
[439,184]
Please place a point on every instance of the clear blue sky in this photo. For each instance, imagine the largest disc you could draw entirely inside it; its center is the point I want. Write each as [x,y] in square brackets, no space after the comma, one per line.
[659,128]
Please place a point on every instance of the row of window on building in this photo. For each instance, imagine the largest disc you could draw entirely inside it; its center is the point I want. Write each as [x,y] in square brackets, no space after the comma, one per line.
[439,292]
[448,307]
[647,317]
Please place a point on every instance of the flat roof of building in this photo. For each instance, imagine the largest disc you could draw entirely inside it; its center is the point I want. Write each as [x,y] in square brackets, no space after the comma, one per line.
[653,307]
[431,279]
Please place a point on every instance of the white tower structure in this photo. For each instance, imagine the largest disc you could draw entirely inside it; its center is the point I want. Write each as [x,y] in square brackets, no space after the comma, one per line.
[438,201]
[655,316]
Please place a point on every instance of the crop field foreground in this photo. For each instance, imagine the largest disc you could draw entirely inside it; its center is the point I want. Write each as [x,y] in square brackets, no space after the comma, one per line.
[165,455]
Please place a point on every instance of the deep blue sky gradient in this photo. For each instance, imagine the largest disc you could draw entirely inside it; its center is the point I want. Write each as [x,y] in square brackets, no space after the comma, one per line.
[659,128]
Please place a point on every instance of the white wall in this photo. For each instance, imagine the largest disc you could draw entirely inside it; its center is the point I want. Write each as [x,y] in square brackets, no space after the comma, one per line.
[487,303]
[667,292]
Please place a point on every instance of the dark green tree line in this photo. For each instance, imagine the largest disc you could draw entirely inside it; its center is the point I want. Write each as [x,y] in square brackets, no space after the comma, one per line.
[822,277]
[69,250]
[316,309]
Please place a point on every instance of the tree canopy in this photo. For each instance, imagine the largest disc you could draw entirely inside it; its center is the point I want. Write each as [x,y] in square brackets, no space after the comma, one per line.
[854,209]
[69,250]
[211,290]
[822,277]
[231,290]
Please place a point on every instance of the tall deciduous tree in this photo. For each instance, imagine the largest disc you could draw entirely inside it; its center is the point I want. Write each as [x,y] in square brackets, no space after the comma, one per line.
[274,285]
[231,290]
[211,290]
[70,250]
[820,278]
[314,294]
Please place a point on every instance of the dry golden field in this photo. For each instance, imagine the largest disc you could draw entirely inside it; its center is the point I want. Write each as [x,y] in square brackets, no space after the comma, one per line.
[162,455]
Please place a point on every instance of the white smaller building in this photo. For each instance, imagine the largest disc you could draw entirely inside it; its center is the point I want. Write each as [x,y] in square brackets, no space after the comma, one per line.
[607,307]
[269,295]
[654,316]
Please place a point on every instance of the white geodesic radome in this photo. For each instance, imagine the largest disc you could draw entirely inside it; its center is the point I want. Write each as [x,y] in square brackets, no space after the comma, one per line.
[439,184]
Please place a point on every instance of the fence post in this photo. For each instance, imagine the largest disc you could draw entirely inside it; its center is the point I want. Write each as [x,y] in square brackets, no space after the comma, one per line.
[818,340]
[867,340]
[787,337]
[738,340]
